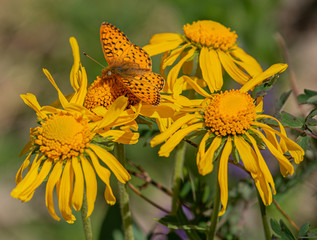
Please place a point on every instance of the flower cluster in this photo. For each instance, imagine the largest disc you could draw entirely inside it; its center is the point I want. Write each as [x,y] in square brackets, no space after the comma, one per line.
[72,143]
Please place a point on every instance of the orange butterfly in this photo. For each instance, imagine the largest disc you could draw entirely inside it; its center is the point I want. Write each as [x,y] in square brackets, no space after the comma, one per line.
[129,65]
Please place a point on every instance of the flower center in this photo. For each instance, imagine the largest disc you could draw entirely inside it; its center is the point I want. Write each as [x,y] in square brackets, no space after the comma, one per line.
[230,113]
[62,136]
[104,91]
[210,34]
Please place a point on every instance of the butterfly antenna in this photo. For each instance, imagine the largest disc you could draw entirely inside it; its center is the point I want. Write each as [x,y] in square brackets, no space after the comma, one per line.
[93,60]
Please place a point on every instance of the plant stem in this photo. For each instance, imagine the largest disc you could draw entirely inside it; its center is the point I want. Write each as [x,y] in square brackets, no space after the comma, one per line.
[266,226]
[216,205]
[286,216]
[86,221]
[124,196]
[178,170]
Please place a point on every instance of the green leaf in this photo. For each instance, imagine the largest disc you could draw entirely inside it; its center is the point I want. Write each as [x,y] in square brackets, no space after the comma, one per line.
[303,142]
[304,229]
[308,96]
[276,227]
[282,100]
[290,121]
[285,229]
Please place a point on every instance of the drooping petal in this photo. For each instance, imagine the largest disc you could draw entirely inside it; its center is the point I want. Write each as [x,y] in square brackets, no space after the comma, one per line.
[280,157]
[75,68]
[165,37]
[52,180]
[91,184]
[78,194]
[247,62]
[231,68]
[175,139]
[258,79]
[45,169]
[223,174]
[104,175]
[176,125]
[64,198]
[28,179]
[25,164]
[115,166]
[211,68]
[206,162]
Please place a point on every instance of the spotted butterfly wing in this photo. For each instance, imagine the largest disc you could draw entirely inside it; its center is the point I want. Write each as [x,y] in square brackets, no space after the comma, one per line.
[119,51]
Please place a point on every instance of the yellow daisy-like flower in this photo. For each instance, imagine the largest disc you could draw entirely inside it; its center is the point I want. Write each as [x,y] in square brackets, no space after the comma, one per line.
[230,122]
[67,147]
[216,48]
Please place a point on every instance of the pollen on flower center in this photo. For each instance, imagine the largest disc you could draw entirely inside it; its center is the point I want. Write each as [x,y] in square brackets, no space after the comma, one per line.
[210,34]
[62,136]
[230,113]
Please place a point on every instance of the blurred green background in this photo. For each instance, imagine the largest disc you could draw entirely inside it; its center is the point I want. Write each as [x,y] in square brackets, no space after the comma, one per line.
[34,34]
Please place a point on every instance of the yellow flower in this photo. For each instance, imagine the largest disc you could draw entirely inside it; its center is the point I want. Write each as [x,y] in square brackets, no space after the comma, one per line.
[230,122]
[68,146]
[216,48]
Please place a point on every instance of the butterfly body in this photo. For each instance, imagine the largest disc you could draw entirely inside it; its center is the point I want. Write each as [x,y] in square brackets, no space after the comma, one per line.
[130,65]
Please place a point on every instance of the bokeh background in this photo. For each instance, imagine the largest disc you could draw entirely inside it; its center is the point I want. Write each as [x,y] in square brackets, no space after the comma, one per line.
[34,34]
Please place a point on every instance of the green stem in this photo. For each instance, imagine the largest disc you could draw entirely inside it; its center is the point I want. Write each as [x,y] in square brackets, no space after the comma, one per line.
[86,221]
[124,197]
[265,222]
[177,178]
[216,206]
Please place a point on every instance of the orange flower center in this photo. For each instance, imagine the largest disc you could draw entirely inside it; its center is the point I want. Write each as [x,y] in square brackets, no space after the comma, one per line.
[104,91]
[210,34]
[62,136]
[230,113]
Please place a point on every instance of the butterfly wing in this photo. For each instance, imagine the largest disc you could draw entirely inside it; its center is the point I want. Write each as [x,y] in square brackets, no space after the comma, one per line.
[142,89]
[153,78]
[120,52]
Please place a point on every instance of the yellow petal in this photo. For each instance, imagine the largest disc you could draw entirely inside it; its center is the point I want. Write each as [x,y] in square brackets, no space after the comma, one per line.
[166,134]
[61,97]
[280,157]
[114,111]
[258,79]
[124,137]
[223,174]
[75,68]
[173,74]
[52,180]
[30,100]
[104,175]
[211,69]
[160,47]
[247,154]
[206,162]
[25,164]
[27,180]
[91,184]
[165,37]
[115,166]
[231,68]
[45,169]
[196,87]
[78,194]
[248,63]
[65,194]
[175,139]
[160,111]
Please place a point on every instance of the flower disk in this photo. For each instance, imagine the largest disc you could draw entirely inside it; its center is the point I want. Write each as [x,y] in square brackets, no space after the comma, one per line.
[210,34]
[230,113]
[62,136]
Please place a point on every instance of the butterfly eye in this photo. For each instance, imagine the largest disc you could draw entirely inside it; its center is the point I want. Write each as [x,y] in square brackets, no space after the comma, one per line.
[109,73]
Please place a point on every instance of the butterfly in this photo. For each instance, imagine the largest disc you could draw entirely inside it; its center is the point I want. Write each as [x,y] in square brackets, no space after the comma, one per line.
[129,65]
